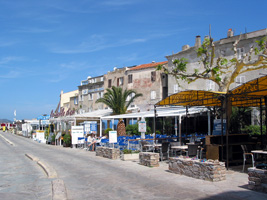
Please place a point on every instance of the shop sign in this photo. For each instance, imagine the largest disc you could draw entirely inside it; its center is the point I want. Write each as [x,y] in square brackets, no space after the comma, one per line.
[62,113]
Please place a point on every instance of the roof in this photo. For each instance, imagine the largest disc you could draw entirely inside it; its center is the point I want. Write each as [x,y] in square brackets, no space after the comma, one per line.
[144,66]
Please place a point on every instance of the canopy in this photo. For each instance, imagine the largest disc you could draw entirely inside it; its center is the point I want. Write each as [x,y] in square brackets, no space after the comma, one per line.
[250,94]
[193,98]
[161,112]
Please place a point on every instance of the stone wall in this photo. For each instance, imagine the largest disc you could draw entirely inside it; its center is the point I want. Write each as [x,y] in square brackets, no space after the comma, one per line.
[257,179]
[149,159]
[108,152]
[209,170]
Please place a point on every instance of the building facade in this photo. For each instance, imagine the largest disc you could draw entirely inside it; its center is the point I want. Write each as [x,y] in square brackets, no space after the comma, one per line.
[146,79]
[224,48]
[90,90]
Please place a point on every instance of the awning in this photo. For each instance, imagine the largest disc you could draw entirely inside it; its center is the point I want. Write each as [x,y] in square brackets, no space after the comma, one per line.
[161,112]
[193,98]
[251,93]
[95,115]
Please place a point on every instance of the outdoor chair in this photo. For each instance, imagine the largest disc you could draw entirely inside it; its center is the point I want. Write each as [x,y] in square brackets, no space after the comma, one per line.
[246,153]
[164,150]
[145,148]
[193,150]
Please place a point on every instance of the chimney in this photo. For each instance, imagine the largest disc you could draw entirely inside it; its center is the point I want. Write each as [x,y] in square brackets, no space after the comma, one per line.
[198,41]
[185,47]
[230,33]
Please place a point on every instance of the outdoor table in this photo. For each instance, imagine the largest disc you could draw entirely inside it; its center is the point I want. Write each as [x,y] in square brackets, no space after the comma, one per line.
[259,152]
[153,146]
[177,148]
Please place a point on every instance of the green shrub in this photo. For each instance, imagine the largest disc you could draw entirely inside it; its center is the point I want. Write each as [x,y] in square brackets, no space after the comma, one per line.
[254,130]
[107,131]
[67,139]
[53,138]
[129,151]
[133,129]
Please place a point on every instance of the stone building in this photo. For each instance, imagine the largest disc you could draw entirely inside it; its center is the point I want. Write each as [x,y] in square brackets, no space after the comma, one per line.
[224,48]
[143,79]
[90,90]
[151,83]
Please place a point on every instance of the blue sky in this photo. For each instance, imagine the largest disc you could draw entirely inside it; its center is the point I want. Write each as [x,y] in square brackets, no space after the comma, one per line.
[51,45]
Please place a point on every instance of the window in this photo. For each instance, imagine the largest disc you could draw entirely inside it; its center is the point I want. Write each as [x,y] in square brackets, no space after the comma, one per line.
[176,88]
[102,79]
[153,94]
[240,80]
[130,78]
[240,53]
[153,76]
[81,98]
[109,83]
[84,82]
[210,85]
[99,95]
[120,81]
[75,101]
[130,96]
[90,97]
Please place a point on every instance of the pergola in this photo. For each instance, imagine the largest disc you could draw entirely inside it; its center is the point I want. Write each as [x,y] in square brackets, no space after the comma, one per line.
[249,94]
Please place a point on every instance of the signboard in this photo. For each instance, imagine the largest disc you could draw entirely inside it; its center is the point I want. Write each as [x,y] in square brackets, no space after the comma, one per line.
[40,136]
[142,126]
[112,136]
[90,127]
[93,127]
[76,131]
[217,127]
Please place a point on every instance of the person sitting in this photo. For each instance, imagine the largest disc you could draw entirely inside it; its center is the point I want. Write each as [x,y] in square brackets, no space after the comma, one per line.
[90,141]
[96,141]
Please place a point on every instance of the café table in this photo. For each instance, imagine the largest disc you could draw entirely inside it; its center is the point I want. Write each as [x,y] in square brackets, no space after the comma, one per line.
[179,148]
[153,146]
[262,152]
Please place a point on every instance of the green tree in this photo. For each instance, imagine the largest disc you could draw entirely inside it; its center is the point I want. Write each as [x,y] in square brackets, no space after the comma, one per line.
[119,101]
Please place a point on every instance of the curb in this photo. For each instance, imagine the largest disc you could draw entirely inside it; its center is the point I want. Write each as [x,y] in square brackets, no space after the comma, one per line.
[58,190]
[58,187]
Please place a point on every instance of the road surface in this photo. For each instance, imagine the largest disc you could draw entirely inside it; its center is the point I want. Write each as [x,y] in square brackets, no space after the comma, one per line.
[86,176]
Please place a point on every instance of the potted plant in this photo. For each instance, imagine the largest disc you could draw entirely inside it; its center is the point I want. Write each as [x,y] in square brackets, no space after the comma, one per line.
[53,139]
[66,140]
[128,154]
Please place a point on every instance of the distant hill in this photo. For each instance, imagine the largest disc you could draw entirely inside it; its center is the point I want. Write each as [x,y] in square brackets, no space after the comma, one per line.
[5,121]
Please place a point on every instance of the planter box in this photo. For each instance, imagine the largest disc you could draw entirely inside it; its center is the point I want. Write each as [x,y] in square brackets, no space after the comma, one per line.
[130,156]
[149,159]
[210,170]
[257,179]
[108,152]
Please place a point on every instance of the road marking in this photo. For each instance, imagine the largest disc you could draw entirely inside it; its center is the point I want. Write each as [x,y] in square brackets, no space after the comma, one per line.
[8,141]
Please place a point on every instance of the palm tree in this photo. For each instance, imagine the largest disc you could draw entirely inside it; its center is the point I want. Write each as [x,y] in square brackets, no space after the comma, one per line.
[119,101]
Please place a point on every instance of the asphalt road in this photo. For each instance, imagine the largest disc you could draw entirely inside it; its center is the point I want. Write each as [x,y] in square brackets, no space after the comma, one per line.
[87,176]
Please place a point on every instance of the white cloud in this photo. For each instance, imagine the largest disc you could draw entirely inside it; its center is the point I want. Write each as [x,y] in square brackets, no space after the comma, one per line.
[96,43]
[8,59]
[10,75]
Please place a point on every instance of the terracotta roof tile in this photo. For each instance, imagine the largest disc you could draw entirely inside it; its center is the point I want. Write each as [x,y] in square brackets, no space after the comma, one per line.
[153,64]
